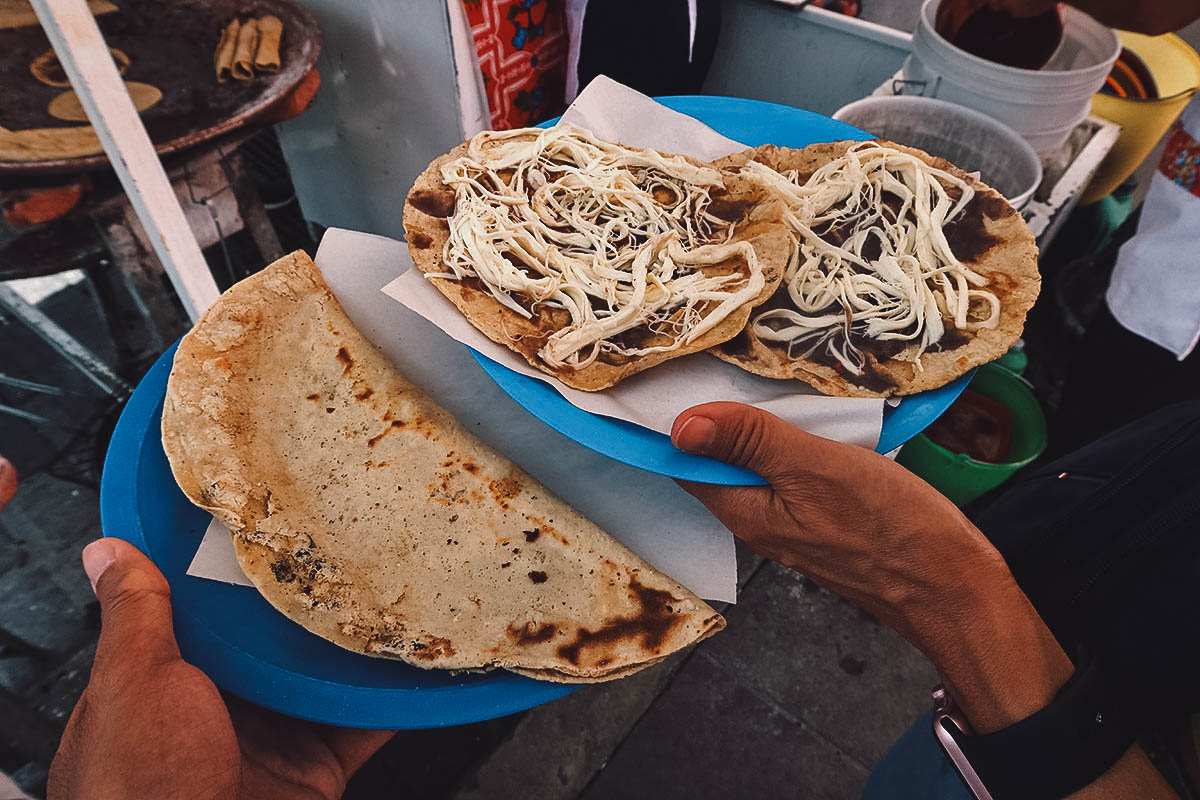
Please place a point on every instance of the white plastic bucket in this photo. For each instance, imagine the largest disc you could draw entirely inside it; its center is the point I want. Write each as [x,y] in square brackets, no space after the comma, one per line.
[972,141]
[1041,105]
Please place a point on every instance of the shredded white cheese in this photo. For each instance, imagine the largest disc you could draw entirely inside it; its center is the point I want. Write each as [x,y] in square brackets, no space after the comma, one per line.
[871,259]
[617,237]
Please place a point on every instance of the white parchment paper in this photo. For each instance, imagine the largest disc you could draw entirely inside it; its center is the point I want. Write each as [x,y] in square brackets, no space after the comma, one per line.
[647,512]
[654,398]
[215,558]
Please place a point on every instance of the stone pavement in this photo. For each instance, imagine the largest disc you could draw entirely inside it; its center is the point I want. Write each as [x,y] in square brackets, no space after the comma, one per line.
[48,616]
[48,619]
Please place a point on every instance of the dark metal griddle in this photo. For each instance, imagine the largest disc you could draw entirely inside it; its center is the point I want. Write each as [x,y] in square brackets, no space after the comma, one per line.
[170,44]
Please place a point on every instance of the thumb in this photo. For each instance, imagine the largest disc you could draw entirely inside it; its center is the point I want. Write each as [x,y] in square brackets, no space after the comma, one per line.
[135,610]
[746,437]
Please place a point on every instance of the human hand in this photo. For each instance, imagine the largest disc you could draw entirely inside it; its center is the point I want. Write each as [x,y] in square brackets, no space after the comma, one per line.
[851,519]
[871,531]
[150,725]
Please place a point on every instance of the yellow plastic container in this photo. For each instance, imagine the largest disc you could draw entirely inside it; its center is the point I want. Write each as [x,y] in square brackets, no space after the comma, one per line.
[1176,70]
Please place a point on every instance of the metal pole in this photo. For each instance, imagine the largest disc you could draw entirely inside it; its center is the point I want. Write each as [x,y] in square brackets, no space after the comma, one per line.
[84,55]
[67,345]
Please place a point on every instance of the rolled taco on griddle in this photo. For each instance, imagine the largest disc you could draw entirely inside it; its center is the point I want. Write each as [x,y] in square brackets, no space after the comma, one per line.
[906,272]
[367,514]
[226,48]
[592,260]
[266,55]
[242,67]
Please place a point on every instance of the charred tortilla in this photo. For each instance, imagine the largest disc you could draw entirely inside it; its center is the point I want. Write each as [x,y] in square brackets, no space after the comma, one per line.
[988,236]
[367,514]
[433,208]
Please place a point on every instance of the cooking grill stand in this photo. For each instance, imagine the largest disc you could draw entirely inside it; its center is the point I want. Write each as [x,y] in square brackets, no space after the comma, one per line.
[218,199]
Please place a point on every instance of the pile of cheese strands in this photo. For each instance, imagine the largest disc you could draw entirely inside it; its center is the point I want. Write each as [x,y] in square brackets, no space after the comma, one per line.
[871,259]
[617,237]
[865,269]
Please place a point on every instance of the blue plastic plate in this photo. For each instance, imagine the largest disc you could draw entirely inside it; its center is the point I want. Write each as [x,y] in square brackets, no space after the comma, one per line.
[246,646]
[751,122]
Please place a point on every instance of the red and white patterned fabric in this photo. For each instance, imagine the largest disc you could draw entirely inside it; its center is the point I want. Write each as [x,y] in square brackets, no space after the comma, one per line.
[522,49]
[1155,288]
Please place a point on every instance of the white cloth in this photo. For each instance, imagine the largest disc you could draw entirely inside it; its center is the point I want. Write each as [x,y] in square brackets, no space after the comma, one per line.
[575,11]
[1155,288]
[472,95]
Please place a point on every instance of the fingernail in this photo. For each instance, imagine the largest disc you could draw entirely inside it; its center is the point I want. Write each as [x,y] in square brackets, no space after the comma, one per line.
[696,435]
[97,557]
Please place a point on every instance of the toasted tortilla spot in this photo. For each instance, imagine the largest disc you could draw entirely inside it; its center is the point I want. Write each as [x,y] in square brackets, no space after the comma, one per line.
[343,355]
[282,570]
[505,489]
[430,648]
[650,627]
[531,633]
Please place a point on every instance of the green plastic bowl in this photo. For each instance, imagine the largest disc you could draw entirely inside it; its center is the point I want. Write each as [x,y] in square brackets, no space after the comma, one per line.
[1014,360]
[962,478]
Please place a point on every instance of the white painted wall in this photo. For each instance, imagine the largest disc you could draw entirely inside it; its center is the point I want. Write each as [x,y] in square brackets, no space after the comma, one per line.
[388,105]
